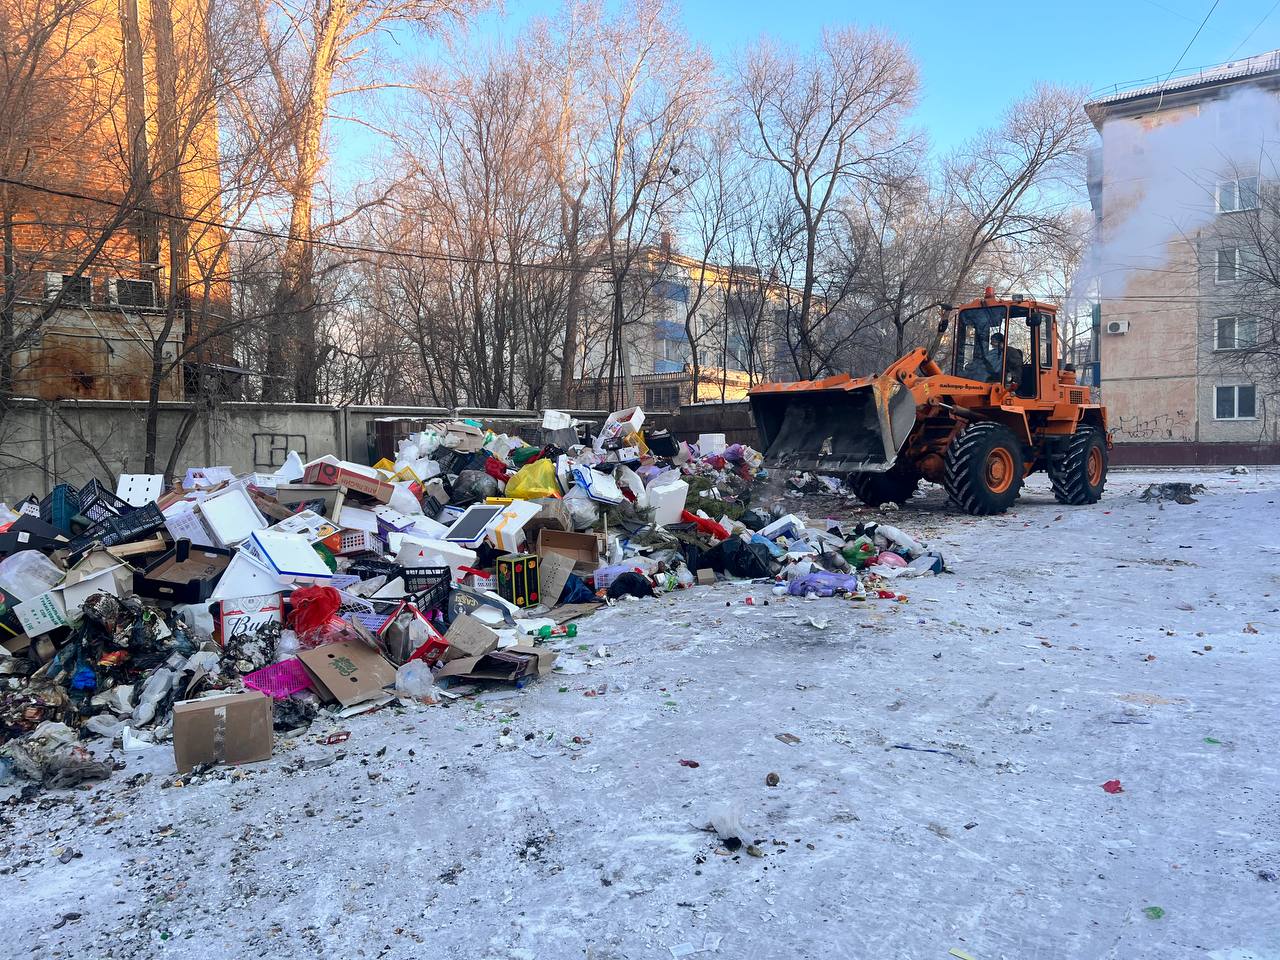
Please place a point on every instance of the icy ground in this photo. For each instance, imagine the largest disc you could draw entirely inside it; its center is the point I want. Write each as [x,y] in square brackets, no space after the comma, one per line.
[943,790]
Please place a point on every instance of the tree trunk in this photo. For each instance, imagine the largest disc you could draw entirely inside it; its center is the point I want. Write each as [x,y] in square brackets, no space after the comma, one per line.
[9,295]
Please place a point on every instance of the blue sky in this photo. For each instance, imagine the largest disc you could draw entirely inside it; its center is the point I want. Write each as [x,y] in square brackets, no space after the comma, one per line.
[975,57]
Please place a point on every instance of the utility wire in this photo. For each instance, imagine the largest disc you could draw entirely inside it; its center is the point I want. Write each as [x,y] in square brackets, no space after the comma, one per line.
[1160,102]
[1265,17]
[369,249]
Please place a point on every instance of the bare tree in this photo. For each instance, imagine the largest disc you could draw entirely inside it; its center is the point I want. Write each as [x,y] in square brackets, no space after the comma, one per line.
[831,123]
[313,50]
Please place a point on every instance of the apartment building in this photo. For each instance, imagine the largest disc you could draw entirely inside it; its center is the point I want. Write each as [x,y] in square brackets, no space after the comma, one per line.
[669,300]
[1177,188]
[109,198]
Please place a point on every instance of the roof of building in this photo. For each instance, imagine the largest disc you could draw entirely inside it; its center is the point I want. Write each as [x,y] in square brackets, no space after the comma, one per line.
[1223,73]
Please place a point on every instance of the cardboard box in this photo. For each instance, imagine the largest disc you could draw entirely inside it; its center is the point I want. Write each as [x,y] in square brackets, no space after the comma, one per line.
[518,579]
[553,574]
[244,615]
[308,496]
[332,475]
[348,672]
[509,665]
[706,576]
[233,728]
[468,637]
[97,572]
[583,547]
[462,437]
[185,574]
[41,614]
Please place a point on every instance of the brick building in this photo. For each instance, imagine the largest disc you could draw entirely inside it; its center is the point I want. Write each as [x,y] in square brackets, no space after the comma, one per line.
[1178,176]
[108,165]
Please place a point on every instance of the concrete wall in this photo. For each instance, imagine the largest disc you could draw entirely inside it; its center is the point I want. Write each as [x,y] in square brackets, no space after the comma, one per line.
[73,441]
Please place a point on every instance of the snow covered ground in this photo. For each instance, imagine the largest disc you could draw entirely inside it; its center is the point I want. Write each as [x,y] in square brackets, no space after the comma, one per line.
[941,794]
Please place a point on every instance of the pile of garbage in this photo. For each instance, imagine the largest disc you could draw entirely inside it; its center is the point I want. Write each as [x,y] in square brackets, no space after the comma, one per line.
[227,606]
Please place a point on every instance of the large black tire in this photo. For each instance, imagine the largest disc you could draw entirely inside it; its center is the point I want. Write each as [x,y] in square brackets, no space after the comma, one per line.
[1080,473]
[895,485]
[984,469]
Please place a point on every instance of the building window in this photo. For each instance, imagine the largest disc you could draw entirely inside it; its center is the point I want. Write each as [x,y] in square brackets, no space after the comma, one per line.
[1235,333]
[662,398]
[671,290]
[1235,402]
[1233,196]
[1228,266]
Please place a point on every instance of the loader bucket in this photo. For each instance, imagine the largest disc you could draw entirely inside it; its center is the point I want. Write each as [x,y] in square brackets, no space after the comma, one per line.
[839,429]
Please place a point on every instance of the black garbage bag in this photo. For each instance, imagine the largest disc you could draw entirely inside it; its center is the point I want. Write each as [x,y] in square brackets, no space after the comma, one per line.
[630,585]
[755,519]
[738,559]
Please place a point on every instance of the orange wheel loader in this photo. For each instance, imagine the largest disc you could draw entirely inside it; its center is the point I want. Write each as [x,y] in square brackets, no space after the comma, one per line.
[1007,407]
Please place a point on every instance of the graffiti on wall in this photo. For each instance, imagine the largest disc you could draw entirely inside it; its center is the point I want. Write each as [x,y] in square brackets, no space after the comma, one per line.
[1165,426]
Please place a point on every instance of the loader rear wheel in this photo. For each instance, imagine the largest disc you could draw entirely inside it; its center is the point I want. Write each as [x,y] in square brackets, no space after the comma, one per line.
[984,469]
[1079,476]
[893,486]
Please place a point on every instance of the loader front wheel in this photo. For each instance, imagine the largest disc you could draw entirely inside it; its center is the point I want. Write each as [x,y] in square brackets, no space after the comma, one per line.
[893,486]
[1078,478]
[984,469]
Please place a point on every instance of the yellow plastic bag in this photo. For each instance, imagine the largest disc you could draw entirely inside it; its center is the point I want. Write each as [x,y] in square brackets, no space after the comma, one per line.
[534,480]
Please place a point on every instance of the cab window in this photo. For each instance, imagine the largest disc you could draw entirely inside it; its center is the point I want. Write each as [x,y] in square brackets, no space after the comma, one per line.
[976,357]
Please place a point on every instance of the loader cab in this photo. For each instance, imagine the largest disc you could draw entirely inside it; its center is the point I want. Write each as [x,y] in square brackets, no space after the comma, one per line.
[1007,343]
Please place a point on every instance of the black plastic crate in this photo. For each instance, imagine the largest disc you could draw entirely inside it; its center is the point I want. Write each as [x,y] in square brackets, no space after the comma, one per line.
[430,586]
[60,507]
[366,568]
[116,530]
[98,503]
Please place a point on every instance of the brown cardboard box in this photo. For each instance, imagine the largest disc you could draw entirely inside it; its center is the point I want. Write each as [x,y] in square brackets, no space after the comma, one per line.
[329,474]
[553,574]
[583,547]
[235,728]
[509,664]
[468,637]
[348,672]
[706,576]
[311,496]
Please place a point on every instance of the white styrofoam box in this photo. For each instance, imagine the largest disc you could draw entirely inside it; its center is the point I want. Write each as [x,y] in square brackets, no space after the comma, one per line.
[232,516]
[139,489]
[246,577]
[290,556]
[426,552]
[508,533]
[668,501]
[206,477]
[789,526]
[393,519]
[428,528]
[711,443]
[357,518]
[183,521]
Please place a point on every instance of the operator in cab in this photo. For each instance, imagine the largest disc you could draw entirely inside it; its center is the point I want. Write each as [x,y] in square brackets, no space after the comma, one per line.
[996,355]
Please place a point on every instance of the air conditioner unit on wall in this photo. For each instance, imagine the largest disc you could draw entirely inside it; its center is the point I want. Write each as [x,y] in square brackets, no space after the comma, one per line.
[131,293]
[1117,326]
[52,285]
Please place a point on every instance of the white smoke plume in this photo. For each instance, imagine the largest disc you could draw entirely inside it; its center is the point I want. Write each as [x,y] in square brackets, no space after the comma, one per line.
[1161,174]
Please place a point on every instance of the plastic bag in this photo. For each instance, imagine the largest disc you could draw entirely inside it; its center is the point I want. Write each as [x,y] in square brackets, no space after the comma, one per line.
[534,480]
[315,614]
[28,573]
[414,682]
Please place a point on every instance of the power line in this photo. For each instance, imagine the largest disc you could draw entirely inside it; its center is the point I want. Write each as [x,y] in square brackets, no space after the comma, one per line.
[348,247]
[1265,17]
[1160,102]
